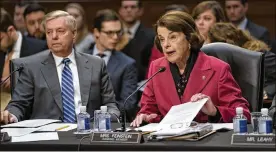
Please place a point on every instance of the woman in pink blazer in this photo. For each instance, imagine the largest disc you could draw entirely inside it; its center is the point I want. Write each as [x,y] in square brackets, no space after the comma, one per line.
[190,75]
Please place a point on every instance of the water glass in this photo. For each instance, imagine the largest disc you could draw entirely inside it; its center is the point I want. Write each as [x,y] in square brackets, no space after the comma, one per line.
[255,121]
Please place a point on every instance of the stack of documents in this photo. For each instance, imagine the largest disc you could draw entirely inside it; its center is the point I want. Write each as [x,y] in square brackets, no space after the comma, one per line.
[23,131]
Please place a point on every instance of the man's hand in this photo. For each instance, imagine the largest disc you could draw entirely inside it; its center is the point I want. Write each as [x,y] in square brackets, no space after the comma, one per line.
[208,108]
[142,117]
[7,117]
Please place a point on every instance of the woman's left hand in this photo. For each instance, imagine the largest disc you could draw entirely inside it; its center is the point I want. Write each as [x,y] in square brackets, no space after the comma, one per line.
[208,108]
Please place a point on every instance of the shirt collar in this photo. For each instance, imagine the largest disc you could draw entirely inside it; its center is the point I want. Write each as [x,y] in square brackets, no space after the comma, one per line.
[134,28]
[18,43]
[71,56]
[243,24]
[96,51]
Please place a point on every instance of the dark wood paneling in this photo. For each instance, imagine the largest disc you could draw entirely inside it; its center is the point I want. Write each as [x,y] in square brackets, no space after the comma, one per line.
[262,12]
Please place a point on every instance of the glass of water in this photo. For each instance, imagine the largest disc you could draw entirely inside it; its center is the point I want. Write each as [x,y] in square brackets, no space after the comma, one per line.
[255,121]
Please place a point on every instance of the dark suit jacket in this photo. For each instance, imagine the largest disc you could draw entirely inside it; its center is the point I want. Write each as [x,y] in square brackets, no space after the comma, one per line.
[123,74]
[259,32]
[270,74]
[37,93]
[29,47]
[209,76]
[139,48]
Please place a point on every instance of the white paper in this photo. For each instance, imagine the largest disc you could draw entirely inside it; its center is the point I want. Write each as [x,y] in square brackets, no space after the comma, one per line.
[31,123]
[36,137]
[57,126]
[16,132]
[183,113]
[148,127]
[217,126]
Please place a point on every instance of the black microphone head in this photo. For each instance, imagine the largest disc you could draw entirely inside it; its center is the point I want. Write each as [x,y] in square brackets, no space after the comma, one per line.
[162,69]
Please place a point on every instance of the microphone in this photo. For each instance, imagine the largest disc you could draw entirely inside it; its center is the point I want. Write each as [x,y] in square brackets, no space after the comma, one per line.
[18,69]
[123,117]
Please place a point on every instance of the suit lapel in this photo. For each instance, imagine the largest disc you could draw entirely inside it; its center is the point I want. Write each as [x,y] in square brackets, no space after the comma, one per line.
[49,72]
[168,83]
[200,76]
[112,63]
[84,77]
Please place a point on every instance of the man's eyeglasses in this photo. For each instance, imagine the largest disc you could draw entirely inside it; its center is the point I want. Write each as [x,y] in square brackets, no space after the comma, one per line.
[112,33]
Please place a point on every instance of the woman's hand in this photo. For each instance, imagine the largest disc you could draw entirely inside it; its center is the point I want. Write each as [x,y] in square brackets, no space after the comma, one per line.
[208,108]
[142,117]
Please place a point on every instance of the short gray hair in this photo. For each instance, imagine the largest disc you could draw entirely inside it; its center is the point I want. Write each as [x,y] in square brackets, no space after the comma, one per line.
[69,19]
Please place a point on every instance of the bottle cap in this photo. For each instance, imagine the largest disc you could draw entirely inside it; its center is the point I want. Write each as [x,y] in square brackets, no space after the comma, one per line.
[264,111]
[104,108]
[82,108]
[239,110]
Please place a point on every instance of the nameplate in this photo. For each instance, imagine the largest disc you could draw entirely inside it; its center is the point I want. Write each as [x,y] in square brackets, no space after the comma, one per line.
[253,139]
[117,137]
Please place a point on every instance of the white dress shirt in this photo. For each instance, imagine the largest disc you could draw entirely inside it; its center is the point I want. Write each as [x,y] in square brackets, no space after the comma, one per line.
[133,29]
[17,46]
[74,69]
[243,24]
[106,53]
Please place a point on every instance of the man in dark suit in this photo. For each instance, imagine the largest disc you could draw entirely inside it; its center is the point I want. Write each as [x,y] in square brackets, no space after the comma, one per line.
[54,84]
[121,68]
[141,38]
[13,45]
[236,12]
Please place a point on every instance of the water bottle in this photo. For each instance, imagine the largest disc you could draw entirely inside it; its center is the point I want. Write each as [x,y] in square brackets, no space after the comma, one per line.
[83,121]
[104,120]
[96,120]
[265,122]
[240,122]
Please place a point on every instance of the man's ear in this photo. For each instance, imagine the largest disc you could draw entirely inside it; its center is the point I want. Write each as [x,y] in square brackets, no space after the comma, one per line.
[74,35]
[10,30]
[96,33]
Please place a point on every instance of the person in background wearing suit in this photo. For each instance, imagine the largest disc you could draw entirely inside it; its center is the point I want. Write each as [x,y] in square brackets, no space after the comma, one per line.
[55,83]
[121,68]
[236,12]
[33,16]
[190,75]
[141,38]
[18,17]
[13,45]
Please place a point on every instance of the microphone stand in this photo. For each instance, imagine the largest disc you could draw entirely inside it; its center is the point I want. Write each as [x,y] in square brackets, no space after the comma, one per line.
[18,69]
[123,112]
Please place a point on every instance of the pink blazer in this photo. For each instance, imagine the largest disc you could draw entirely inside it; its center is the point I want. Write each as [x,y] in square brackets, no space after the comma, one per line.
[209,76]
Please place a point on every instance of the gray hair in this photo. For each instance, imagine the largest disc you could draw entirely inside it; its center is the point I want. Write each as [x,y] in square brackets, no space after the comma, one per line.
[69,19]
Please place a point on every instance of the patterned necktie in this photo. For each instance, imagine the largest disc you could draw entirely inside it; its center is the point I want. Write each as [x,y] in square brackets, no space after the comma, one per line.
[101,55]
[67,93]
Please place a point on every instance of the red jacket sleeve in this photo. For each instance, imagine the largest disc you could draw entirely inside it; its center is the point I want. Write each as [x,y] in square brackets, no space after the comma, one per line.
[230,97]
[148,101]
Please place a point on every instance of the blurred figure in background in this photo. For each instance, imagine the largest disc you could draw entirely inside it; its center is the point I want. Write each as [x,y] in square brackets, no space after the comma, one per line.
[141,38]
[177,7]
[236,12]
[121,68]
[84,38]
[33,16]
[13,45]
[228,33]
[206,14]
[18,17]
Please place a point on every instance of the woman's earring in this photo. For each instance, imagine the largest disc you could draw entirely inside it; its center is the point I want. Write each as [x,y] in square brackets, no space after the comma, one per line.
[189,46]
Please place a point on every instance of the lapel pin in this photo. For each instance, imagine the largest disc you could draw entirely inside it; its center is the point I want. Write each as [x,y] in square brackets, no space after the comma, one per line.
[203,77]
